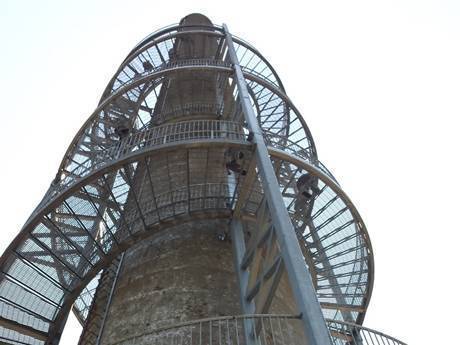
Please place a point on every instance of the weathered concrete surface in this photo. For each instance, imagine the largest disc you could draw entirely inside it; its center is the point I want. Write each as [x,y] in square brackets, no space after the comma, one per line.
[183,275]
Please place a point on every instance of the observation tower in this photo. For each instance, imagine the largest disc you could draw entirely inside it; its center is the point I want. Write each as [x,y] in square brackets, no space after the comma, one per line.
[191,209]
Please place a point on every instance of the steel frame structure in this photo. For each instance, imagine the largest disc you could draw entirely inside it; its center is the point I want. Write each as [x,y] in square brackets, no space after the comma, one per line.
[83,222]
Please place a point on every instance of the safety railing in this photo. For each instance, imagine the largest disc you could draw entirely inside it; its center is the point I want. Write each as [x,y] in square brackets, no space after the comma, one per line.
[196,197]
[226,330]
[170,65]
[170,29]
[346,333]
[173,133]
[261,329]
[156,136]
[190,109]
[264,71]
[284,144]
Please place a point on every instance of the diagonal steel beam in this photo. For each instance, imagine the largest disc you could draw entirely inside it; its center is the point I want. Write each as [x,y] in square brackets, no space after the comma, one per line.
[315,328]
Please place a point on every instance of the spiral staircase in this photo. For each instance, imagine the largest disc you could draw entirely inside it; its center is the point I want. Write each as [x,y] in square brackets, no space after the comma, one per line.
[147,159]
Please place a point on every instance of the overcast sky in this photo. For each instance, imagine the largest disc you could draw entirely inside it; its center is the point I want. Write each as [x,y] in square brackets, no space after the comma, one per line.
[378,83]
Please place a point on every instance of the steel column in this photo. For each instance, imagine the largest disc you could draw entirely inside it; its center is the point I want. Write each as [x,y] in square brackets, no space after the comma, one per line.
[314,325]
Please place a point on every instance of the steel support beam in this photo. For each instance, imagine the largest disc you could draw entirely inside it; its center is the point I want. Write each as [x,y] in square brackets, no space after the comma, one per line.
[109,302]
[242,276]
[55,332]
[316,331]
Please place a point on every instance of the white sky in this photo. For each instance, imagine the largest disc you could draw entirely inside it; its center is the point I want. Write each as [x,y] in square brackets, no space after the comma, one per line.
[378,83]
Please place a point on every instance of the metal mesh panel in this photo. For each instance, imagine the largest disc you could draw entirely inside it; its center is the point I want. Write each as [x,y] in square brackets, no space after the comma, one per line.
[9,336]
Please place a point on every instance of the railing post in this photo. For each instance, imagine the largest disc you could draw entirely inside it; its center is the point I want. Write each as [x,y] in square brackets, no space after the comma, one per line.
[315,329]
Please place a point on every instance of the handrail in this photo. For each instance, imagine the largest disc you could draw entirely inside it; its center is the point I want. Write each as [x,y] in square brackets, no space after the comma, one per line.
[170,65]
[155,136]
[176,132]
[229,330]
[172,27]
[176,63]
[282,143]
[190,108]
[270,329]
[90,122]
[164,202]
[351,333]
[171,30]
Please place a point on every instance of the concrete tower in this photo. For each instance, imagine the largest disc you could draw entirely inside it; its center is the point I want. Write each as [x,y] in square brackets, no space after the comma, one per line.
[191,208]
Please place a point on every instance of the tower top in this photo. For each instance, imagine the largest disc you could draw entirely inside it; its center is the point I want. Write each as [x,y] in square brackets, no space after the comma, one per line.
[195,19]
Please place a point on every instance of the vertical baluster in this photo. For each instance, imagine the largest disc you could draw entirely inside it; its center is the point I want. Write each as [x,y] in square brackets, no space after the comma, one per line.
[229,342]
[367,337]
[236,331]
[210,332]
[219,331]
[376,338]
[271,330]
[213,127]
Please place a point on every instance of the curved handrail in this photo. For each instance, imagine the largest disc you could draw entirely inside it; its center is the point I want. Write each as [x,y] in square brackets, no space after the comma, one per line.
[350,333]
[120,91]
[229,330]
[166,29]
[173,32]
[171,133]
[270,329]
[153,137]
[282,143]
[172,65]
[190,29]
[186,109]
[142,78]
